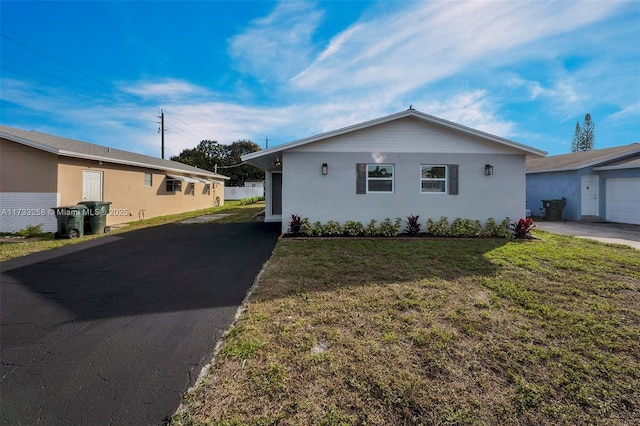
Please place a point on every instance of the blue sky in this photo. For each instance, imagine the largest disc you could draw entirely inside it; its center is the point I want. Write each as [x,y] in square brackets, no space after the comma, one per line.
[527,71]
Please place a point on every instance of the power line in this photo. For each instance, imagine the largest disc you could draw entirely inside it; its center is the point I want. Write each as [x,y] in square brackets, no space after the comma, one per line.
[189,125]
[56,60]
[177,129]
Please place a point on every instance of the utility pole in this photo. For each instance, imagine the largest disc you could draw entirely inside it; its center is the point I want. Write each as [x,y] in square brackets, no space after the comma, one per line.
[162,131]
[266,142]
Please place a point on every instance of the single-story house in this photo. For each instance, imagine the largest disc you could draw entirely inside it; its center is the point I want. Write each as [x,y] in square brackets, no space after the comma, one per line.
[39,171]
[601,184]
[392,167]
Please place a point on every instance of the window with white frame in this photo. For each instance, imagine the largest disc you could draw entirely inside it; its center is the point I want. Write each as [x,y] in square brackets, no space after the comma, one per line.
[148,179]
[380,177]
[433,179]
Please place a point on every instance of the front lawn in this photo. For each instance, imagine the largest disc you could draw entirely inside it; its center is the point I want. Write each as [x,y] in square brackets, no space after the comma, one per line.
[442,332]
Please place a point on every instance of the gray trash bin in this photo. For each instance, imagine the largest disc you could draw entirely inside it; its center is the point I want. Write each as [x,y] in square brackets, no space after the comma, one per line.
[553,209]
[96,218]
[70,220]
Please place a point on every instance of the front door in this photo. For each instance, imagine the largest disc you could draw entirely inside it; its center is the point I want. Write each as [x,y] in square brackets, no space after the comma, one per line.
[91,186]
[589,195]
[276,194]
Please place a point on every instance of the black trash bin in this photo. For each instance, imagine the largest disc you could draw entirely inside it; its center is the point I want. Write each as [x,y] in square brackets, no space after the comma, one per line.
[553,209]
[96,218]
[70,220]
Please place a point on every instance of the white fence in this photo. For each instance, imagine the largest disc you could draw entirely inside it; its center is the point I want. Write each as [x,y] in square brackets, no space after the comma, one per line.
[238,193]
[21,209]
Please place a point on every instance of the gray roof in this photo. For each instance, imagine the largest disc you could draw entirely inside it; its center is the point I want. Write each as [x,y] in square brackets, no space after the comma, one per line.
[626,156]
[73,148]
[265,157]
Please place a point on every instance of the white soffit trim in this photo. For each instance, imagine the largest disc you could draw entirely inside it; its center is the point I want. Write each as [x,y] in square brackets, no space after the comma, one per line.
[183,178]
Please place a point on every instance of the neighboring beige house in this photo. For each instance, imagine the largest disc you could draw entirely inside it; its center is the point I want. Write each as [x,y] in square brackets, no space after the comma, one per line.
[39,171]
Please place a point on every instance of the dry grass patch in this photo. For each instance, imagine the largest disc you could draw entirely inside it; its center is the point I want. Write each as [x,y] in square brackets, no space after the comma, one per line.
[432,332]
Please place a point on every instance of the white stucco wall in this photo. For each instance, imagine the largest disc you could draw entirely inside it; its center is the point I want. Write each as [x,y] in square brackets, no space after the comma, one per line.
[407,143]
[307,193]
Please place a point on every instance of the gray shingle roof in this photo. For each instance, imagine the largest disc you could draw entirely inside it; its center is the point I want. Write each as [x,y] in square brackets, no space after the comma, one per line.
[627,154]
[77,149]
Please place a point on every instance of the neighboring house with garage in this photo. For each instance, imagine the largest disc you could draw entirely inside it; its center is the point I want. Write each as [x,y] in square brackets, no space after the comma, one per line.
[395,166]
[39,171]
[598,185]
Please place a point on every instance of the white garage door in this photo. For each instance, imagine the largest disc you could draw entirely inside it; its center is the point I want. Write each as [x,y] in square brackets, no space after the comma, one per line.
[623,200]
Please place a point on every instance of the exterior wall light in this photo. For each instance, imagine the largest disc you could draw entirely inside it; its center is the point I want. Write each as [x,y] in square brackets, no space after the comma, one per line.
[325,169]
[488,169]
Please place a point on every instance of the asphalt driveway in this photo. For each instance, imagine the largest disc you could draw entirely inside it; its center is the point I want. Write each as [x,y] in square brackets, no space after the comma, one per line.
[114,330]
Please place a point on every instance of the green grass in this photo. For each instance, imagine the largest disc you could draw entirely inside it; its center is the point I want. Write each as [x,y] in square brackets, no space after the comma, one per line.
[445,332]
[237,212]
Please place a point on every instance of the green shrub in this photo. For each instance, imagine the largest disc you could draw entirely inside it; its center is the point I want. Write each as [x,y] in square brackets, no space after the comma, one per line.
[31,231]
[316,230]
[492,229]
[332,229]
[372,229]
[439,228]
[388,228]
[353,229]
[465,228]
[250,200]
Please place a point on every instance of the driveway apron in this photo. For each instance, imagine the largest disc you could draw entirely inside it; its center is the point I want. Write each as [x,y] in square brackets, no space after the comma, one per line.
[114,330]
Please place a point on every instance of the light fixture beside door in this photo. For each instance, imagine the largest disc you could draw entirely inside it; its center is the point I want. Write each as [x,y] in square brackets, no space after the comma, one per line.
[488,169]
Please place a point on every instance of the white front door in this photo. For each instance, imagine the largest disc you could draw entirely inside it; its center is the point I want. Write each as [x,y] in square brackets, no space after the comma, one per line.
[91,186]
[589,195]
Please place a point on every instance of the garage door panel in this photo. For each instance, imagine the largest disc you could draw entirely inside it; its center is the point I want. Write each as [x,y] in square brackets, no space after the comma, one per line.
[623,200]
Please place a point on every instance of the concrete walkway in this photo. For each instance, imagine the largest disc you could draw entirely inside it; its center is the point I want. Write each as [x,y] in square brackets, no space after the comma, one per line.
[614,233]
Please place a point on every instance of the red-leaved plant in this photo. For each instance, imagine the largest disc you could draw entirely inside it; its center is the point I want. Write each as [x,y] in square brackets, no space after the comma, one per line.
[413,225]
[295,225]
[522,228]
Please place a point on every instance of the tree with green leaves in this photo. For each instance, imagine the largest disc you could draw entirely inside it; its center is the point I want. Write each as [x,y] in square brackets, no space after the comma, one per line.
[575,142]
[223,159]
[584,137]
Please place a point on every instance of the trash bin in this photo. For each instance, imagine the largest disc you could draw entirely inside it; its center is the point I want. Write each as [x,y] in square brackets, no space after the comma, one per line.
[70,220]
[553,209]
[95,221]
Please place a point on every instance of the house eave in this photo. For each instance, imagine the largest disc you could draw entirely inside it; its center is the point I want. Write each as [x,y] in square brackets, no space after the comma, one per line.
[273,152]
[140,164]
[79,155]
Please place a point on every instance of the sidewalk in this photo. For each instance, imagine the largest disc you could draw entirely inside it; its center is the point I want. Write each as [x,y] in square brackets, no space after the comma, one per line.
[615,233]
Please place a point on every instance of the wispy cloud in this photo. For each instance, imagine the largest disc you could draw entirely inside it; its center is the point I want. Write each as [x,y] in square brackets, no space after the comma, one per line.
[474,63]
[278,45]
[168,89]
[423,42]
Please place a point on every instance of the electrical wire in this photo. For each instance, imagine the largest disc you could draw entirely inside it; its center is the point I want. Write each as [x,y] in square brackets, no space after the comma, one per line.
[176,129]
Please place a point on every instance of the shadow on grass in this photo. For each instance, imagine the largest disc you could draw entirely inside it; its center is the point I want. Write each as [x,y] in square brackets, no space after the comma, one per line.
[311,265]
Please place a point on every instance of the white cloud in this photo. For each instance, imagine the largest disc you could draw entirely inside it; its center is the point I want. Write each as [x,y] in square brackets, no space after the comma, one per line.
[165,89]
[278,45]
[427,41]
[472,109]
